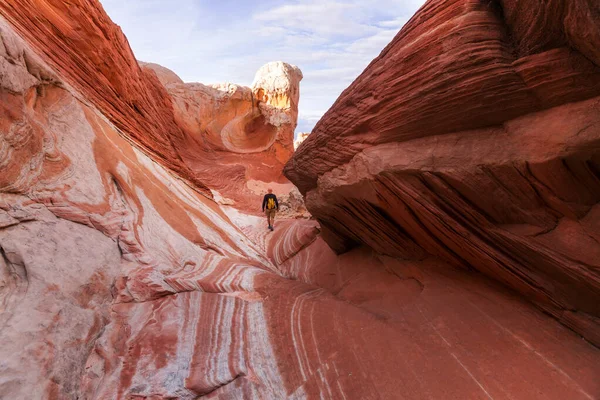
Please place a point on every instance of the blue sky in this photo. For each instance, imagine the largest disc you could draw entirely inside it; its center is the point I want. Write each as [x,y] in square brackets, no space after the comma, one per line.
[212,41]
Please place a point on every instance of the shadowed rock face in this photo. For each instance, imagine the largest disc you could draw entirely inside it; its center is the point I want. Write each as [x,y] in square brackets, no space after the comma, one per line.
[475,137]
[120,278]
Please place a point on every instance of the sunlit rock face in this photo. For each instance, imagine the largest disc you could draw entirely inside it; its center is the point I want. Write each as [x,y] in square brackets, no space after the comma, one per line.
[237,134]
[237,118]
[276,88]
[122,277]
[191,129]
[300,139]
[474,137]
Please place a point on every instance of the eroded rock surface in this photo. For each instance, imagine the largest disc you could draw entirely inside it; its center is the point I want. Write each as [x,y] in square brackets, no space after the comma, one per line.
[474,137]
[239,138]
[203,133]
[122,278]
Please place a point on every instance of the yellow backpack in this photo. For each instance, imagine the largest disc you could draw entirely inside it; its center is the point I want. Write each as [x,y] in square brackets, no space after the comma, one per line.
[270,203]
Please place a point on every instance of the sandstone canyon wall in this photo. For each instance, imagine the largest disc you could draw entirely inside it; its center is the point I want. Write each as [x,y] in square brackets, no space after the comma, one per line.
[185,132]
[239,138]
[121,277]
[474,137]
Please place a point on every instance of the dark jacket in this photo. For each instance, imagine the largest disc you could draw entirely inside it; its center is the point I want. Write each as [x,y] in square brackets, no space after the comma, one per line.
[266,199]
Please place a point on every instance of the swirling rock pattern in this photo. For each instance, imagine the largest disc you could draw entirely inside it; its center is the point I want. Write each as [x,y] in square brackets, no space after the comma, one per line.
[88,219]
[215,137]
[473,137]
[238,138]
[121,279]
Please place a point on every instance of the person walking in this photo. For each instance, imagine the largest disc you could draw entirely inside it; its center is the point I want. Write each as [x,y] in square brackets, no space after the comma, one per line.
[270,206]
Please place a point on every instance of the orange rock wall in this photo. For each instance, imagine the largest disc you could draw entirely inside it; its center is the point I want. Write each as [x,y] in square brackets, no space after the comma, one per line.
[92,56]
[121,280]
[474,137]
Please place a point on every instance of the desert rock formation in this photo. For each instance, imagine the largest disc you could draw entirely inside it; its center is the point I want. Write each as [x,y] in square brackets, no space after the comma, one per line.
[302,136]
[493,165]
[238,138]
[133,265]
[93,56]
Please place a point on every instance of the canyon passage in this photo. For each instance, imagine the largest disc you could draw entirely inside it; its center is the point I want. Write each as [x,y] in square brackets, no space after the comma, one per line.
[438,234]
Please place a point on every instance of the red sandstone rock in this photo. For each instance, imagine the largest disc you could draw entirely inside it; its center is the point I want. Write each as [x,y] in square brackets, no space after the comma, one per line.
[457,67]
[118,280]
[92,55]
[239,138]
[473,137]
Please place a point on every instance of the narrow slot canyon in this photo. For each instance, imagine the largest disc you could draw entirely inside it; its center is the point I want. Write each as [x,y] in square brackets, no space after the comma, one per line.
[437,234]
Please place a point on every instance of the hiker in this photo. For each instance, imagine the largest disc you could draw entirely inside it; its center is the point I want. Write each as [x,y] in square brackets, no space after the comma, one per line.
[270,206]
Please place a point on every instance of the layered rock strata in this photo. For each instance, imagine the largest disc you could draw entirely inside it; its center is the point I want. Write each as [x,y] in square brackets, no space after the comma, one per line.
[238,138]
[185,133]
[88,221]
[474,137]
[120,279]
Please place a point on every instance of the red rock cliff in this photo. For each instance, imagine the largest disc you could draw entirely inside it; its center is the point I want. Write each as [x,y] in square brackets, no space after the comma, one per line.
[92,55]
[121,279]
[474,137]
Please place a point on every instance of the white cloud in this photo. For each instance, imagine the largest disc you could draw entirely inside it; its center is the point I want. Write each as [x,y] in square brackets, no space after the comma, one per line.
[320,17]
[395,23]
[332,41]
[374,43]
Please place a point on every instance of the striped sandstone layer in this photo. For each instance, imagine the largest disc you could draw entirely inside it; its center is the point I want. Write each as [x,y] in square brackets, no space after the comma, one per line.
[120,279]
[474,137]
[202,133]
